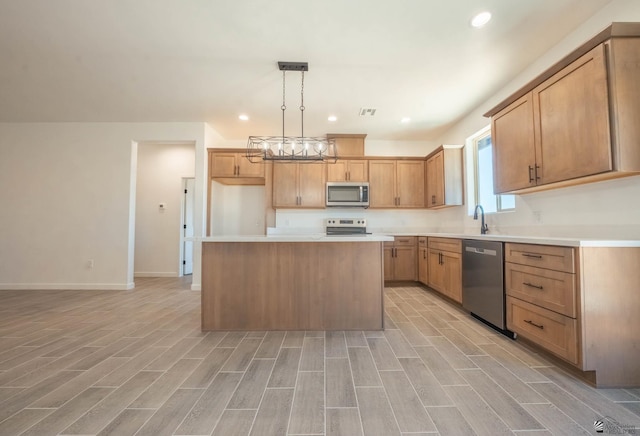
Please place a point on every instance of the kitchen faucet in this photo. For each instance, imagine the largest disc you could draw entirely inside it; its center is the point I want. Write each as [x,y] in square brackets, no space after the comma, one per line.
[484,229]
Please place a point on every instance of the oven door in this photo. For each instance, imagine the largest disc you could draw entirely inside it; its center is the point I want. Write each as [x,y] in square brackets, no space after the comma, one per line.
[347,194]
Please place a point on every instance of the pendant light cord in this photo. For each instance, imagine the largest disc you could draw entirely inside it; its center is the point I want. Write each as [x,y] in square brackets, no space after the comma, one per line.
[302,106]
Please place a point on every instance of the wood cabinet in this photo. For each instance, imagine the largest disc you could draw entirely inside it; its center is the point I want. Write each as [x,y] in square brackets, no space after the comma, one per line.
[540,283]
[233,168]
[396,183]
[400,260]
[348,171]
[445,266]
[423,260]
[348,145]
[299,185]
[444,177]
[575,123]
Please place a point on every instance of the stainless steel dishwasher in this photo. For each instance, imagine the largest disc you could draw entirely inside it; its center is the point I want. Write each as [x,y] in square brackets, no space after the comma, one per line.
[483,282]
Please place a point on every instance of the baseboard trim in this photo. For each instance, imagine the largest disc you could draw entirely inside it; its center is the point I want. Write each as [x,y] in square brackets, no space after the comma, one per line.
[145,274]
[66,286]
[196,287]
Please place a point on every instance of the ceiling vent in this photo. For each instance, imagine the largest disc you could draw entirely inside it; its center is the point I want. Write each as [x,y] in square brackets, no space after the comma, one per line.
[367,112]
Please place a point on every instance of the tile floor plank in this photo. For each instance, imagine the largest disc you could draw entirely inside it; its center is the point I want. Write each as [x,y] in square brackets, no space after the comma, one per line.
[335,344]
[363,368]
[235,423]
[449,421]
[343,422]
[307,411]
[204,415]
[501,402]
[107,409]
[270,346]
[312,358]
[439,366]
[208,369]
[23,420]
[170,415]
[522,392]
[407,408]
[273,415]
[477,412]
[375,412]
[286,367]
[242,355]
[156,394]
[127,423]
[253,384]
[383,355]
[340,390]
[555,420]
[426,385]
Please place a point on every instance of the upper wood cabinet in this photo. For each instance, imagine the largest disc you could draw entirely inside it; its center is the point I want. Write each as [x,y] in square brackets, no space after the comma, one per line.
[396,183]
[576,123]
[299,185]
[444,177]
[348,171]
[231,167]
[348,145]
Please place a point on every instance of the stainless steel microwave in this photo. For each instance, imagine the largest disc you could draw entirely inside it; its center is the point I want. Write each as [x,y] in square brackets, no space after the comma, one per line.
[347,194]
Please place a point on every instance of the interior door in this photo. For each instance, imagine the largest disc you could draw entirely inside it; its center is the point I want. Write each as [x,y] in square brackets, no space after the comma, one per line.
[187,226]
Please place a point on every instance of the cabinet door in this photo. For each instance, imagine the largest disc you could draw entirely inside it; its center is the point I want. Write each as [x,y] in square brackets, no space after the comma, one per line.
[435,180]
[388,261]
[285,185]
[382,190]
[358,171]
[248,169]
[423,265]
[410,183]
[405,263]
[571,112]
[452,280]
[337,172]
[512,139]
[436,271]
[311,185]
[223,165]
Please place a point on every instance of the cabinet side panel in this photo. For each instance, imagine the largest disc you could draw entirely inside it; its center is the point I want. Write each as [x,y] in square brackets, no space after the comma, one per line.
[610,280]
[624,74]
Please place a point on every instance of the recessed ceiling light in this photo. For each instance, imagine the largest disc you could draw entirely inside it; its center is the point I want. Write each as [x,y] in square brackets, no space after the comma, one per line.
[481,19]
[244,117]
[332,118]
[405,120]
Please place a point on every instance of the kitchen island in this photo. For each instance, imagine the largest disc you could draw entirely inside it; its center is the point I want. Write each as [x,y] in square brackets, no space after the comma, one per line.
[312,282]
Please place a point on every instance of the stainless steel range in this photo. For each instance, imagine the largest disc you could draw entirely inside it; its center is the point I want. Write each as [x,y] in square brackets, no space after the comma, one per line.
[346,226]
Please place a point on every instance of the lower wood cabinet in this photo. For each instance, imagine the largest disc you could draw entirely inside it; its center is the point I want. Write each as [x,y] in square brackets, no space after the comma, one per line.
[445,267]
[423,260]
[400,260]
[540,283]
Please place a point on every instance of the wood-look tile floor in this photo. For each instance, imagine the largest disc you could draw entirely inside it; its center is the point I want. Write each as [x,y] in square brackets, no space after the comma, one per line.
[136,362]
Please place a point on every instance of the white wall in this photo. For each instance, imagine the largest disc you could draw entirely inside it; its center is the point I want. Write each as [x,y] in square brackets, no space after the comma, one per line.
[66,195]
[161,169]
[603,209]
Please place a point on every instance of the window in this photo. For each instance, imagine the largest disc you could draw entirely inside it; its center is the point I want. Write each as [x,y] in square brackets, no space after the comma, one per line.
[482,149]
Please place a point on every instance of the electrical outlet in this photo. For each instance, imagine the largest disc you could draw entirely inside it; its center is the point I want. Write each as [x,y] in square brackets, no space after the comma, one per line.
[90,263]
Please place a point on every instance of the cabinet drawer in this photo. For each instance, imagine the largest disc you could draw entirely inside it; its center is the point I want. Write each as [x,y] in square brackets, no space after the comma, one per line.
[422,241]
[542,256]
[446,244]
[553,290]
[405,240]
[556,333]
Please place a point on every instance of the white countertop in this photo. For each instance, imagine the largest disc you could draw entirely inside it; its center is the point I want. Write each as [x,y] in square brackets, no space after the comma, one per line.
[540,240]
[311,237]
[385,236]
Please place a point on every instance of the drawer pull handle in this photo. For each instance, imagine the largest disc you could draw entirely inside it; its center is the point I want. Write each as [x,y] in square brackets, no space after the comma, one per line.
[528,321]
[531,285]
[535,256]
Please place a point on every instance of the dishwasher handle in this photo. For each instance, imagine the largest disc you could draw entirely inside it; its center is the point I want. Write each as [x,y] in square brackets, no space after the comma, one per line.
[484,251]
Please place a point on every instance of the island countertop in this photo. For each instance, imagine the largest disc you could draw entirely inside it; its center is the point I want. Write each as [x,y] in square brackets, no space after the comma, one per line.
[310,237]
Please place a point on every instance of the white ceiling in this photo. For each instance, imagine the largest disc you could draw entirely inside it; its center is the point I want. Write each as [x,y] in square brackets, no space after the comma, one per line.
[211,60]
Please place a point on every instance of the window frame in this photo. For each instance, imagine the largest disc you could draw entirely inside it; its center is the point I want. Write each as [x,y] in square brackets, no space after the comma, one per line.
[472,143]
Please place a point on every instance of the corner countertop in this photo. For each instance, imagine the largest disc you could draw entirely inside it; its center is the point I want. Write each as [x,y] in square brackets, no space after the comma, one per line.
[311,237]
[540,240]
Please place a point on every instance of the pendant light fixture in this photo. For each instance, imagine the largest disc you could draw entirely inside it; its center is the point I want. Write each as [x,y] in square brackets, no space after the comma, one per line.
[291,148]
